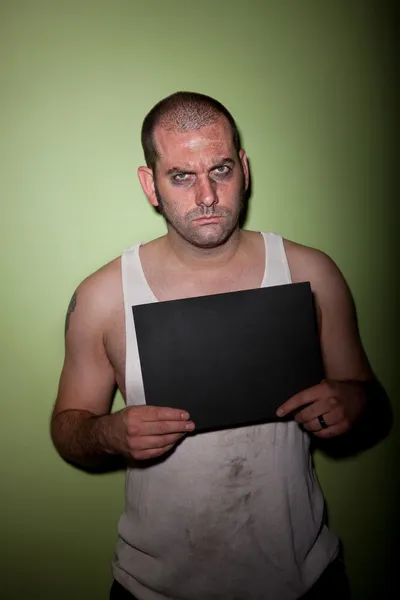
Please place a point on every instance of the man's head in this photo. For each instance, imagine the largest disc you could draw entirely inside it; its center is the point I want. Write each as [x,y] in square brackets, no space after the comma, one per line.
[182,112]
[195,167]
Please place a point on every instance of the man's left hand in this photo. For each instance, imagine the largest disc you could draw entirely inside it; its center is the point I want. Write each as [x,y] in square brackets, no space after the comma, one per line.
[328,409]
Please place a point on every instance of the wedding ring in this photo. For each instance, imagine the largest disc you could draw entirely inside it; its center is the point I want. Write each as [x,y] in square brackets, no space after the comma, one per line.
[322,422]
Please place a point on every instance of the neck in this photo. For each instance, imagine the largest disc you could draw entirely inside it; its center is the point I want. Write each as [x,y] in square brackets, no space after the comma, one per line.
[194,257]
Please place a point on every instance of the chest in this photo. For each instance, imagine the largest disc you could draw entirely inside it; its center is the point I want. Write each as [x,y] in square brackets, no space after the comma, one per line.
[176,284]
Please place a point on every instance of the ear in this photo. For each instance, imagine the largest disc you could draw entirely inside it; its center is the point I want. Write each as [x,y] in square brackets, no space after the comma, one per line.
[245,165]
[146,179]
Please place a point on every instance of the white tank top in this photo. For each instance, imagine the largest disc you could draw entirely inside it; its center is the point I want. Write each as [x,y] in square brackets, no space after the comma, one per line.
[229,515]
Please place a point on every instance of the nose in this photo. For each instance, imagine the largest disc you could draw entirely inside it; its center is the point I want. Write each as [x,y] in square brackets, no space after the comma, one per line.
[206,192]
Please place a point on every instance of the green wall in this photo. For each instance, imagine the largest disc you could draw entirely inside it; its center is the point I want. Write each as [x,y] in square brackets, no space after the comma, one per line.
[310,84]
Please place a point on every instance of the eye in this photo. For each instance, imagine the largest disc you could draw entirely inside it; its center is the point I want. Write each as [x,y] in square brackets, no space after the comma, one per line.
[181,178]
[222,171]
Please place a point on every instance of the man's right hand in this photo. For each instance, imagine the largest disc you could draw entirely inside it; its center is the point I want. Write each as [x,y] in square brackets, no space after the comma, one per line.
[143,432]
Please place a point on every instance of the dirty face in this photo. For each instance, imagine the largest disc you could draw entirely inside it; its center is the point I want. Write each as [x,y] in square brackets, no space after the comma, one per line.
[200,182]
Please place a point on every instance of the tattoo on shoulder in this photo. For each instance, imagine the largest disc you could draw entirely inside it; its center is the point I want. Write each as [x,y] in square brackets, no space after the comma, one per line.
[70,310]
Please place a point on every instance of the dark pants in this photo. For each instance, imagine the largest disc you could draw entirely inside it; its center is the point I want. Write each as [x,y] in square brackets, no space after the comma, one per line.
[118,592]
[332,585]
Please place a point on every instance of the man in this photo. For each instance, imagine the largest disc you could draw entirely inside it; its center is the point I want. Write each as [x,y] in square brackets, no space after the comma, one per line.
[232,514]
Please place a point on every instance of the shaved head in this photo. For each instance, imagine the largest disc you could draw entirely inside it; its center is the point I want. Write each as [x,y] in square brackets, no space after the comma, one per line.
[188,115]
[182,112]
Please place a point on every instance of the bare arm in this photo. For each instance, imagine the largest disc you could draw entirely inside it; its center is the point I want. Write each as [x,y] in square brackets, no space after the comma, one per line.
[351,385]
[82,428]
[80,420]
[342,349]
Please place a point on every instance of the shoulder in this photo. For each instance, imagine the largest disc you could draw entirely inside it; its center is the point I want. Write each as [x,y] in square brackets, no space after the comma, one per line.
[310,264]
[98,296]
[103,283]
[328,283]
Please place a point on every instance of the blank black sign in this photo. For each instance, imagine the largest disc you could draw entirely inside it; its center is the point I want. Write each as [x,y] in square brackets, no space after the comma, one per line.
[229,359]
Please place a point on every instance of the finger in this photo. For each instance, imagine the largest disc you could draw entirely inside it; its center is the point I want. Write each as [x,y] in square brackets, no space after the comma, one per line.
[320,391]
[314,425]
[165,427]
[154,453]
[163,413]
[319,407]
[337,429]
[331,417]
[155,442]
[298,400]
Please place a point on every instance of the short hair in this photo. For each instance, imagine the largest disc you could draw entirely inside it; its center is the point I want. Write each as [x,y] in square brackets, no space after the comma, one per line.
[181,112]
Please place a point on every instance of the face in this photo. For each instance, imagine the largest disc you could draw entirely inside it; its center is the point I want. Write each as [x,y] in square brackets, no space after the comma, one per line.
[199,183]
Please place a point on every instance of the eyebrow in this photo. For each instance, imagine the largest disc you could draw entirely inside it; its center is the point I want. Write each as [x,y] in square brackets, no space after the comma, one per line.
[221,163]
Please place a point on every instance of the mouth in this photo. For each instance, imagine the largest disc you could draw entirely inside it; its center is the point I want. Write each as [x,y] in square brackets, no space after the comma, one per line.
[207,220]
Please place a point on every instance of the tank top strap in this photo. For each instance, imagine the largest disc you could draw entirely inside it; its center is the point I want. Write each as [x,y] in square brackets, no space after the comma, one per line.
[135,291]
[277,270]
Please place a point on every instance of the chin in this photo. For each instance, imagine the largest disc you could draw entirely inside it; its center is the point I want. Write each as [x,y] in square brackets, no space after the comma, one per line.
[207,244]
[212,240]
